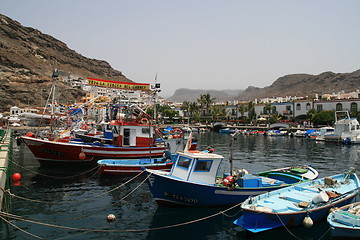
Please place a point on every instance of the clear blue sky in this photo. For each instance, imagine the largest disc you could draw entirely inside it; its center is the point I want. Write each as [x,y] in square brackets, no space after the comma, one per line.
[203,44]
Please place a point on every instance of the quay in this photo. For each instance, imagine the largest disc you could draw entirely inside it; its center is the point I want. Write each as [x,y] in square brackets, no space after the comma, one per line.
[5,154]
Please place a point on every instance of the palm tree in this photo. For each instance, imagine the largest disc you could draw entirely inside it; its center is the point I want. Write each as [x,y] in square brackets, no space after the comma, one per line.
[251,110]
[206,101]
[194,111]
[218,111]
[242,109]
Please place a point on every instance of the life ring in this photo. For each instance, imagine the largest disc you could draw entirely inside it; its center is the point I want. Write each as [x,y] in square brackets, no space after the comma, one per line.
[84,127]
[176,133]
[144,120]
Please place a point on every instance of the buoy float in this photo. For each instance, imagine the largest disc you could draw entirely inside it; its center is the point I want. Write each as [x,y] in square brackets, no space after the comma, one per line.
[111,217]
[229,180]
[16,183]
[308,222]
[82,156]
[16,177]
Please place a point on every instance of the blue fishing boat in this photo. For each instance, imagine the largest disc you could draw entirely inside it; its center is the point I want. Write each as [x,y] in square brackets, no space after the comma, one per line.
[301,204]
[345,221]
[194,181]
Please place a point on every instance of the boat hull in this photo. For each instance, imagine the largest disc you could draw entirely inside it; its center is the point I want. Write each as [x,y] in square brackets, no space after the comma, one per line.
[60,153]
[258,222]
[176,192]
[338,226]
[281,208]
[131,167]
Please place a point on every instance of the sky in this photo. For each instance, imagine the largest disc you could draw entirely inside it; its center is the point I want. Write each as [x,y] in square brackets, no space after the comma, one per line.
[203,44]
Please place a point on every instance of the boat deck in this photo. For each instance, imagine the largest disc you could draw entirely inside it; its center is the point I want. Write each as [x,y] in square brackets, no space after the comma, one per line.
[302,198]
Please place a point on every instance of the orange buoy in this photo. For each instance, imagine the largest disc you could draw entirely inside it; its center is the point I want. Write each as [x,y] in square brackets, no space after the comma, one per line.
[16,183]
[16,177]
[82,156]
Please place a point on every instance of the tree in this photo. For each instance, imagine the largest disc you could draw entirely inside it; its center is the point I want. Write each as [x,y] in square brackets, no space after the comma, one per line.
[242,108]
[323,118]
[218,112]
[205,101]
[251,110]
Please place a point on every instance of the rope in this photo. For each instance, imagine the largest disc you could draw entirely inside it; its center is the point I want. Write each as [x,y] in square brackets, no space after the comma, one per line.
[58,177]
[99,210]
[325,233]
[118,231]
[286,227]
[20,228]
[82,200]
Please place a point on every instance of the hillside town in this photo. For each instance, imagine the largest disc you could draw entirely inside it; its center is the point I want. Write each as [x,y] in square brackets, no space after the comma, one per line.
[205,110]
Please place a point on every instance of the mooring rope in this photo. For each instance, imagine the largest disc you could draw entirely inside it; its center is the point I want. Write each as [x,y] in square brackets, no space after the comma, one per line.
[73,201]
[58,177]
[286,227]
[99,210]
[325,233]
[16,217]
[22,230]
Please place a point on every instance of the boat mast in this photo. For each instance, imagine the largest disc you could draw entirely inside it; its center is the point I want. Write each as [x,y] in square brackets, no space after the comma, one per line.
[55,76]
[232,150]
[156,89]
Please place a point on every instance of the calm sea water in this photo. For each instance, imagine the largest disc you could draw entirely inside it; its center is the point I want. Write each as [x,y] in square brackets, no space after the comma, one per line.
[60,202]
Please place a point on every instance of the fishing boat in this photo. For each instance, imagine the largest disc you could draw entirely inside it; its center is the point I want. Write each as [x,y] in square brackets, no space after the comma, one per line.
[194,181]
[345,221]
[131,140]
[133,166]
[301,204]
[345,128]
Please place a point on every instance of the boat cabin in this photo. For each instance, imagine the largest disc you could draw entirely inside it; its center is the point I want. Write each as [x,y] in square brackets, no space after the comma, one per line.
[133,134]
[196,166]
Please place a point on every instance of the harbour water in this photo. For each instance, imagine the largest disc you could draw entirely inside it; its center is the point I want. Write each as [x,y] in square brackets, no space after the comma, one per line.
[73,203]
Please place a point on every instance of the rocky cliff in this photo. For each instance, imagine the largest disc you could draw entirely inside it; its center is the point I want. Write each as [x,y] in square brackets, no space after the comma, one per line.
[306,85]
[27,60]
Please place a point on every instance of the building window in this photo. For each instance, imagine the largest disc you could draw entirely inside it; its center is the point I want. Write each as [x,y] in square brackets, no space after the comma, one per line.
[308,106]
[298,107]
[339,107]
[273,110]
[353,107]
[319,107]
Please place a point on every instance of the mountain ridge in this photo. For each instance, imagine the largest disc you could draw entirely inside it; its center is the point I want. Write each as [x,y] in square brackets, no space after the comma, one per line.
[300,84]
[28,58]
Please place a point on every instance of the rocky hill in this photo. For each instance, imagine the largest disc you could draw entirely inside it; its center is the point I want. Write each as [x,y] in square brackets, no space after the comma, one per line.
[306,85]
[289,85]
[27,60]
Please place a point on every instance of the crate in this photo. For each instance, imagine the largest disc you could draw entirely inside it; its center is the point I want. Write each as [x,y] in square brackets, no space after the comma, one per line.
[249,181]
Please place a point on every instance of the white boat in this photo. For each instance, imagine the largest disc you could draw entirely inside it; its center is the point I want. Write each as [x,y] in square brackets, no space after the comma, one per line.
[320,136]
[344,128]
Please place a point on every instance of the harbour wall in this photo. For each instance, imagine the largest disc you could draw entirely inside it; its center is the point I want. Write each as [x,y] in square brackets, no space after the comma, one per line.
[5,152]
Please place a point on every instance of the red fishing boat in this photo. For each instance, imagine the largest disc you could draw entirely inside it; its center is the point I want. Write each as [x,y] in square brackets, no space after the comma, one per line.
[131,139]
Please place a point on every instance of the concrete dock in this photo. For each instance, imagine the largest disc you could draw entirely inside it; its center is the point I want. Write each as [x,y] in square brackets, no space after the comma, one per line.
[5,152]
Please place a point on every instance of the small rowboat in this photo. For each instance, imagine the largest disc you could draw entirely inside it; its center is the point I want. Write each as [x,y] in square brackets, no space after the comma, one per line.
[132,166]
[345,221]
[300,204]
